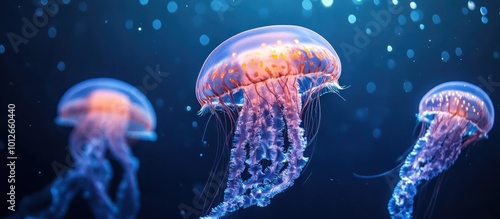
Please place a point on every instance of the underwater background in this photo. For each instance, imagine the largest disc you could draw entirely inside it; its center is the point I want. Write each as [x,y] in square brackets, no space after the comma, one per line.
[387,64]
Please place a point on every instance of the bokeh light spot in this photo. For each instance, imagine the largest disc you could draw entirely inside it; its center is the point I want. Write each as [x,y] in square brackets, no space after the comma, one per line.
[129,24]
[413,5]
[471,5]
[445,56]
[410,53]
[407,86]
[307,5]
[172,7]
[156,24]
[351,18]
[371,87]
[82,6]
[61,66]
[52,32]
[436,19]
[401,19]
[327,3]
[391,64]
[483,10]
[204,40]
[484,20]
[458,51]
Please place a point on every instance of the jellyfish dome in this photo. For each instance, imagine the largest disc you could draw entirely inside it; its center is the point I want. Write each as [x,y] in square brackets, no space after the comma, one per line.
[112,97]
[461,99]
[266,53]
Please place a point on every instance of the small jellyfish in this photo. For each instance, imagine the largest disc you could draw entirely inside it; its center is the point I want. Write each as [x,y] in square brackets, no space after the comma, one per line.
[104,113]
[454,115]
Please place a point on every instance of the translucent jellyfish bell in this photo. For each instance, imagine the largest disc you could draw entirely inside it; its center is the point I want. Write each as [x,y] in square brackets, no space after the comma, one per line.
[74,106]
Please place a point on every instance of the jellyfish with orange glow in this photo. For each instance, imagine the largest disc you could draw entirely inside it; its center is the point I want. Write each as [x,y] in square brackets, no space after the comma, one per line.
[454,115]
[104,113]
[267,75]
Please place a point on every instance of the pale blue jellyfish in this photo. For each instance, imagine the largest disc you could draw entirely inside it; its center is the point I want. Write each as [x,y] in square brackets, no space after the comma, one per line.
[454,114]
[104,113]
[267,75]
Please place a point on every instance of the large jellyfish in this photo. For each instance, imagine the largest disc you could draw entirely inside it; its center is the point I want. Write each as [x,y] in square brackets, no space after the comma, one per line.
[267,75]
[454,115]
[104,113]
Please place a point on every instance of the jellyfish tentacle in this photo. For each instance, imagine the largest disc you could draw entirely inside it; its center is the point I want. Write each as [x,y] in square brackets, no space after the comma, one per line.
[266,157]
[233,199]
[433,153]
[91,177]
[291,103]
[127,195]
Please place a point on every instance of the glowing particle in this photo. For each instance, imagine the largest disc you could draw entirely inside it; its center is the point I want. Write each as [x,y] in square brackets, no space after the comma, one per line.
[52,32]
[307,5]
[82,6]
[200,8]
[327,3]
[458,51]
[129,24]
[172,7]
[371,87]
[351,18]
[401,19]
[391,64]
[407,86]
[413,5]
[471,5]
[61,66]
[204,40]
[465,11]
[436,19]
[496,55]
[416,15]
[410,53]
[445,56]
[484,20]
[39,12]
[156,24]
[483,11]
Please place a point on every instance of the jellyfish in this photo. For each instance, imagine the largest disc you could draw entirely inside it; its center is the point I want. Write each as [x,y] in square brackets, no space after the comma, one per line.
[266,76]
[454,115]
[105,113]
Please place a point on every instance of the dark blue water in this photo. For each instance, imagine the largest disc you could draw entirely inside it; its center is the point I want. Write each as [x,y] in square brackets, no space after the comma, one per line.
[391,56]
